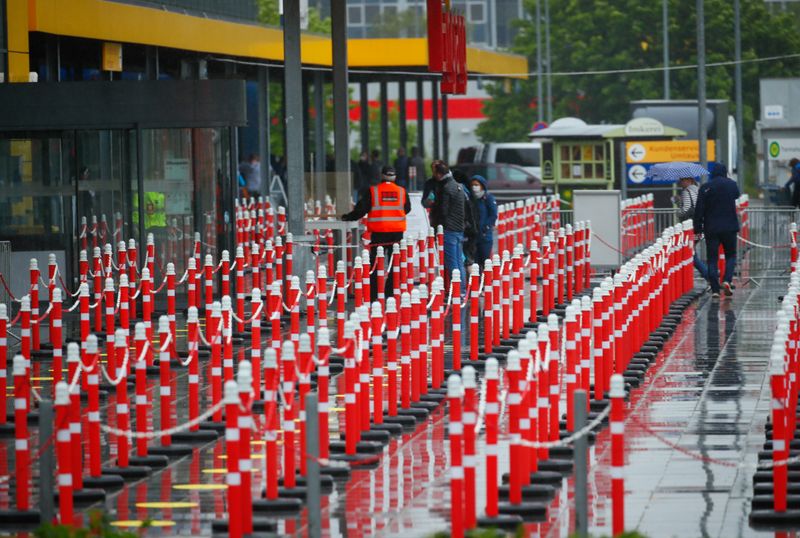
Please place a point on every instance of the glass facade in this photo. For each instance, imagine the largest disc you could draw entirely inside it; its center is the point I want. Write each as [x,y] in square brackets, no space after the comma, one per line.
[66,191]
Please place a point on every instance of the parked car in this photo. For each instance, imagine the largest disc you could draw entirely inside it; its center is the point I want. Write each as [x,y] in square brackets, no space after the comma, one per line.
[506,181]
[524,154]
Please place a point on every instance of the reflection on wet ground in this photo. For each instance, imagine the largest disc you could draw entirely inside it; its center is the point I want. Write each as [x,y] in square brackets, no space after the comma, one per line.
[704,399]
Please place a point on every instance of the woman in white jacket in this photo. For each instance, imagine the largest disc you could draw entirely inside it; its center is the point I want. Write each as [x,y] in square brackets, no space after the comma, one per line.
[688,200]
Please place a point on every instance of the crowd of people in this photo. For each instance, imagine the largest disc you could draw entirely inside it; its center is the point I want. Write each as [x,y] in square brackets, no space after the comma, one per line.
[465,210]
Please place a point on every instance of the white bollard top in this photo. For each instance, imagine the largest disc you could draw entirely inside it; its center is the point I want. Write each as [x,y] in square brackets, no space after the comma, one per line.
[532,338]
[18,366]
[51,259]
[415,295]
[376,310]
[91,344]
[289,237]
[423,292]
[350,329]
[34,264]
[3,312]
[270,358]
[74,352]
[109,284]
[552,322]
[82,256]
[226,303]
[287,351]
[275,287]
[357,262]
[190,264]
[123,281]
[468,377]
[191,315]
[454,386]
[216,309]
[391,306]
[405,300]
[379,252]
[322,272]
[171,268]
[512,361]
[209,260]
[365,257]
[226,256]
[310,277]
[506,256]
[474,270]
[323,337]
[491,368]
[25,303]
[56,298]
[487,265]
[231,396]
[304,345]
[140,331]
[244,376]
[119,338]
[163,324]
[356,319]
[131,243]
[454,277]
[278,241]
[255,295]
[586,302]
[543,331]
[145,273]
[570,313]
[62,393]
[617,387]
[395,250]
[240,251]
[121,246]
[96,252]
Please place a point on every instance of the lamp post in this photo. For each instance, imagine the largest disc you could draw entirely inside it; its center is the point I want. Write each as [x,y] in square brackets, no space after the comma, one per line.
[701,83]
[665,31]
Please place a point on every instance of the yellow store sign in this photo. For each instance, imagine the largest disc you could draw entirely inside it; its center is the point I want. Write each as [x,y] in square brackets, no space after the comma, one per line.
[664,151]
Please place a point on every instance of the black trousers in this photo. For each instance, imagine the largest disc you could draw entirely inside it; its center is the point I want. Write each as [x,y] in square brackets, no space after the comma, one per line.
[385,240]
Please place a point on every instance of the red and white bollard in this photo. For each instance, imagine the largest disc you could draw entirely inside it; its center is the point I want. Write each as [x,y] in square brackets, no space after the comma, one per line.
[311,306]
[76,438]
[617,427]
[22,453]
[165,381]
[133,277]
[233,478]
[97,290]
[456,433]
[34,298]
[492,380]
[322,297]
[91,366]
[289,371]
[63,454]
[257,313]
[244,380]
[3,363]
[352,433]
[271,422]
[341,299]
[56,321]
[474,309]
[323,391]
[470,418]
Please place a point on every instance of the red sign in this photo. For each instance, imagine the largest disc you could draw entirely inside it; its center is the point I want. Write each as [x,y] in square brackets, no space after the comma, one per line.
[447,47]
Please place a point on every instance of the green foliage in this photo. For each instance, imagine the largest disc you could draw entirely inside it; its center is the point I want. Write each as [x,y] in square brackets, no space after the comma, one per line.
[99,527]
[627,34]
[268,14]
[406,23]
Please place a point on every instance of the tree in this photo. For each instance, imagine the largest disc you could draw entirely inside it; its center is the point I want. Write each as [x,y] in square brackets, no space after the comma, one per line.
[268,14]
[596,35]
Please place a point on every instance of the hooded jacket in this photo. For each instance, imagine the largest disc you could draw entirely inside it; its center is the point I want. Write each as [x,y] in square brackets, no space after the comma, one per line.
[715,210]
[448,205]
[484,210]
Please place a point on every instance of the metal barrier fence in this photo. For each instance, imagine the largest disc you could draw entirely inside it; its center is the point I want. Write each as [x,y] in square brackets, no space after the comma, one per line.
[767,251]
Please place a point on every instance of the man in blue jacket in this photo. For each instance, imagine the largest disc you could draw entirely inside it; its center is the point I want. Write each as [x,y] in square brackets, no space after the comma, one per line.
[715,216]
[484,210]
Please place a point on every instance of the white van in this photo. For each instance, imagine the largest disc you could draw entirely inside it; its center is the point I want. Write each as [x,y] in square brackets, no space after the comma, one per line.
[527,155]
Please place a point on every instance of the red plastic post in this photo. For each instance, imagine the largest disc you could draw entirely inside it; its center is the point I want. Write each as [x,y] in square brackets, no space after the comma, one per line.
[617,427]
[233,476]
[456,431]
[64,454]
[492,418]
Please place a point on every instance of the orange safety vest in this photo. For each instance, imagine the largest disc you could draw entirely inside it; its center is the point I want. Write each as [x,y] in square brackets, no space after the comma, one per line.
[388,208]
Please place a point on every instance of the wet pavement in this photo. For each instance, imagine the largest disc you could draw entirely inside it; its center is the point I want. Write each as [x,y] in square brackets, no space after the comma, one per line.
[698,416]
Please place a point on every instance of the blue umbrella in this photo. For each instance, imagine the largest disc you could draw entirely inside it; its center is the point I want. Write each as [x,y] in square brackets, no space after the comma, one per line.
[673,171]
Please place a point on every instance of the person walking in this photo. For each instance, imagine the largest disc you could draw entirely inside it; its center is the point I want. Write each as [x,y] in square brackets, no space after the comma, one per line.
[715,217]
[447,201]
[688,202]
[792,186]
[484,210]
[385,205]
[251,172]
[401,164]
[417,163]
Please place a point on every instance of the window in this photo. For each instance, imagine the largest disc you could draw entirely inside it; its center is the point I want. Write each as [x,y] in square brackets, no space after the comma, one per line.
[355,15]
[584,161]
[518,156]
[372,14]
[476,13]
[516,175]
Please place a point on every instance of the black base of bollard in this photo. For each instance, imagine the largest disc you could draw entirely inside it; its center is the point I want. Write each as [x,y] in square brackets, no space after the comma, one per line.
[325,483]
[198,437]
[154,462]
[218,427]
[375,436]
[87,496]
[794,444]
[406,422]
[338,474]
[6,430]
[562,453]
[637,366]
[362,447]
[541,477]
[172,451]
[220,526]
[33,417]
[418,413]
[767,502]
[767,454]
[388,427]
[43,354]
[285,505]
[648,347]
[479,365]
[501,521]
[772,519]
[501,350]
[105,482]
[130,473]
[765,476]
[645,355]
[528,511]
[556,465]
[153,370]
[765,488]
[598,406]
[433,396]
[428,406]
[20,518]
[533,492]
[633,381]
[512,340]
[563,433]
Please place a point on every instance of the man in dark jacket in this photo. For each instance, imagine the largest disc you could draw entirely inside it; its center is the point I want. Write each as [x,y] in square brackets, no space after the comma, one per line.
[447,202]
[794,182]
[715,217]
[484,210]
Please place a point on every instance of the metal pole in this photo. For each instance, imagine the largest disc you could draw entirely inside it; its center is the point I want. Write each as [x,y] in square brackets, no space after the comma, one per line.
[701,83]
[665,31]
[421,119]
[737,74]
[341,103]
[46,468]
[293,97]
[312,468]
[548,59]
[539,88]
[262,124]
[445,131]
[581,468]
[384,121]
[435,117]
[319,122]
[363,102]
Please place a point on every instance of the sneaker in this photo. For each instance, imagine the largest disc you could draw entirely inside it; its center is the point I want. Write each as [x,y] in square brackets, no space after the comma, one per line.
[715,295]
[727,288]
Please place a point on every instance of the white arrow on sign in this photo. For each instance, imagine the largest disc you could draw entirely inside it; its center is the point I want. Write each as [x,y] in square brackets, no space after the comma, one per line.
[637,173]
[636,153]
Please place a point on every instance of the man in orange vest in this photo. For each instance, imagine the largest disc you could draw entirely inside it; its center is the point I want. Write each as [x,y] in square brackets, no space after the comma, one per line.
[385,206]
